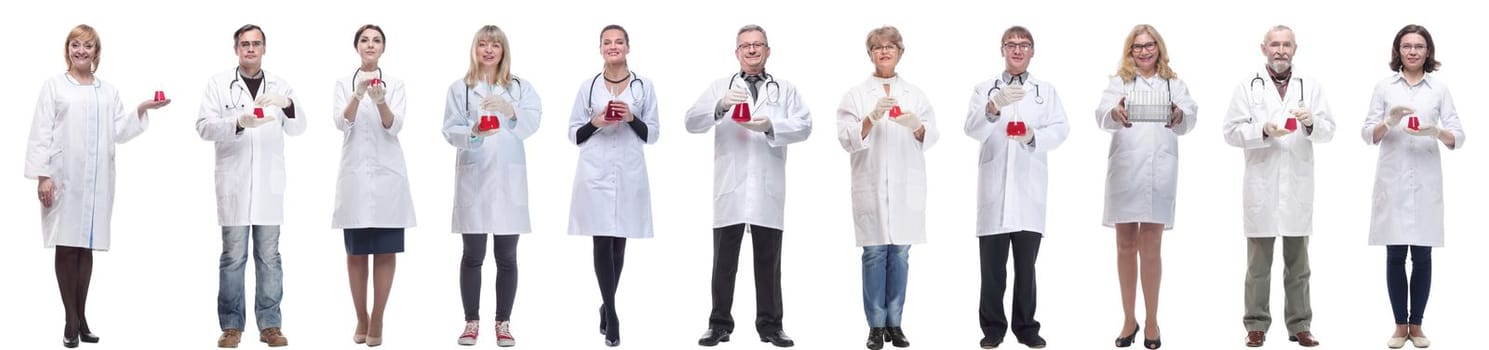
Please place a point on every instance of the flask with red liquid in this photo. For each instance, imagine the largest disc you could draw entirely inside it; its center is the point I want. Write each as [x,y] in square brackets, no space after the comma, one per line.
[894,111]
[611,113]
[741,113]
[374,81]
[1292,124]
[1413,123]
[1017,128]
[489,121]
[159,93]
[258,112]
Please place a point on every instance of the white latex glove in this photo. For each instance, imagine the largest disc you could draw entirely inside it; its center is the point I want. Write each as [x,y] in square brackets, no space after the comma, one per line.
[1008,96]
[1274,131]
[377,93]
[498,104]
[882,108]
[758,124]
[1304,117]
[475,130]
[1024,139]
[249,121]
[1424,130]
[909,120]
[1396,113]
[267,99]
[362,83]
[733,97]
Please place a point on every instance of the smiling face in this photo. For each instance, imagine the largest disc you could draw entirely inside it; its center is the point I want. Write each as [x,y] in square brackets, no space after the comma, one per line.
[1145,52]
[1414,52]
[370,45]
[82,54]
[488,53]
[885,54]
[1279,49]
[752,51]
[1016,54]
[614,46]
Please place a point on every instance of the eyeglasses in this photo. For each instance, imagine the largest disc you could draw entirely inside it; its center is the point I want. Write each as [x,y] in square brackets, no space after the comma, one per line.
[1148,46]
[1417,47]
[1018,46]
[756,45]
[883,48]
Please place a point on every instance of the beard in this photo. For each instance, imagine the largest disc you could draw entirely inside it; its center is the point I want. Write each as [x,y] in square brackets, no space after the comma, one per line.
[1280,66]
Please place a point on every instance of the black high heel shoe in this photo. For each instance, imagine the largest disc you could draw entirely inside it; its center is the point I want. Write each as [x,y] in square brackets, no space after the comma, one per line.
[69,342]
[1152,343]
[88,337]
[1127,340]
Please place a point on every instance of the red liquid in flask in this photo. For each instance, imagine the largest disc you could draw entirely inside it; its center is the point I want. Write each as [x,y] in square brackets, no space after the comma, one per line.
[894,112]
[159,95]
[258,112]
[1292,124]
[741,113]
[374,81]
[612,114]
[1017,128]
[489,122]
[1412,123]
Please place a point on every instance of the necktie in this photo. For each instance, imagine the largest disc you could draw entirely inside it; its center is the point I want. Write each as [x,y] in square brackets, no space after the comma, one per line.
[753,81]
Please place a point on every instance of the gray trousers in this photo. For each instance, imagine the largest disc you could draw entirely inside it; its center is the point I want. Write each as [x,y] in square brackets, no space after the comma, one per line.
[1298,309]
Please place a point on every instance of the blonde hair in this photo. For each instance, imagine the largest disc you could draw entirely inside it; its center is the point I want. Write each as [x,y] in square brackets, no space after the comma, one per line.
[83,33]
[886,32]
[1127,69]
[490,33]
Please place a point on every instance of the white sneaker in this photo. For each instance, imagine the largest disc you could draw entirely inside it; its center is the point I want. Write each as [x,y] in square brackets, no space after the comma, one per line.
[504,334]
[468,337]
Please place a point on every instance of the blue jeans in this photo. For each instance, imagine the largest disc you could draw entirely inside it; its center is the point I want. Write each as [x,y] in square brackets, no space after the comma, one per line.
[268,282]
[885,269]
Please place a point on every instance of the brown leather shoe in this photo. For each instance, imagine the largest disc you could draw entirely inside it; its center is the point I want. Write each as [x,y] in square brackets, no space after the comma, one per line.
[230,338]
[273,337]
[1304,338]
[1255,339]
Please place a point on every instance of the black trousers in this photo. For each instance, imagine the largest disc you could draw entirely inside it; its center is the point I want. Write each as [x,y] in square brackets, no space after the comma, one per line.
[504,250]
[994,257]
[766,243]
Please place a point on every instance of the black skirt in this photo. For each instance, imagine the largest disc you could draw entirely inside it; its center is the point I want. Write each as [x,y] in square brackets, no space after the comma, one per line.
[364,241]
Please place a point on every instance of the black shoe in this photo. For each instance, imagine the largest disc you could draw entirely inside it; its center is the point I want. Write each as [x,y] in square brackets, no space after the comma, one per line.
[777,338]
[1152,343]
[1127,340]
[69,342]
[876,338]
[1034,342]
[896,336]
[990,343]
[713,337]
[88,337]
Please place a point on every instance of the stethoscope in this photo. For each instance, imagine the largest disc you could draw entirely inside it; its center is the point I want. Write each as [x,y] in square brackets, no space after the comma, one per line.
[468,89]
[238,92]
[359,71]
[635,87]
[1037,98]
[1256,93]
[771,96]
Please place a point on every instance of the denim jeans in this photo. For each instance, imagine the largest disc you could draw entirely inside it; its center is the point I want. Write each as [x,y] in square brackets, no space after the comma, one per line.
[885,269]
[268,275]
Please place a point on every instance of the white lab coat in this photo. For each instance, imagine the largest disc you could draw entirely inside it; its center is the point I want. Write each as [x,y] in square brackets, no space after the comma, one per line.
[1407,205]
[73,133]
[612,195]
[749,184]
[1277,189]
[887,167]
[1013,177]
[372,184]
[491,172]
[250,174]
[1142,173]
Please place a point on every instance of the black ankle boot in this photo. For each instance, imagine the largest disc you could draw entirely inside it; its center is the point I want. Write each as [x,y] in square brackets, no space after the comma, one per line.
[896,336]
[876,338]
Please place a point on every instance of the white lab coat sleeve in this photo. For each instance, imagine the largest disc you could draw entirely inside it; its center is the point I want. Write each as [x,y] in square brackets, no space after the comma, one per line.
[1323,117]
[927,116]
[1376,115]
[40,146]
[457,123]
[1448,114]
[1241,129]
[980,124]
[850,125]
[649,115]
[577,116]
[397,104]
[294,126]
[704,113]
[211,125]
[128,123]
[795,125]
[529,113]
[339,102]
[1187,107]
[1055,129]
[1113,94]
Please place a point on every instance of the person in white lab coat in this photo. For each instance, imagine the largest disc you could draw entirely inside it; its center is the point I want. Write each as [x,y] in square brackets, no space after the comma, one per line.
[886,125]
[1277,190]
[70,153]
[1411,112]
[749,181]
[373,205]
[488,114]
[1142,172]
[610,122]
[245,113]
[1017,120]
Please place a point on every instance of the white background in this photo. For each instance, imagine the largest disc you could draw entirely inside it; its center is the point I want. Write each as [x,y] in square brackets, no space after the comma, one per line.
[157,287]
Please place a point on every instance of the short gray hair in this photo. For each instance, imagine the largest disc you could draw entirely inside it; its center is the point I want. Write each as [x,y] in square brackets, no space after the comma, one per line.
[753,28]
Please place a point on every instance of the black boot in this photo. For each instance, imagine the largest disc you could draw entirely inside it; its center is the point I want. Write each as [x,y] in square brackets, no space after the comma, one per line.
[897,337]
[876,338]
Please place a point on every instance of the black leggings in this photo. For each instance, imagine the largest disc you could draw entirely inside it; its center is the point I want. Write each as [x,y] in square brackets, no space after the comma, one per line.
[610,256]
[1408,297]
[504,250]
[74,272]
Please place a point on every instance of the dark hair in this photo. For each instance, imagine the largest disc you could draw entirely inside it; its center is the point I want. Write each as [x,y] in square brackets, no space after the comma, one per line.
[1018,32]
[623,32]
[1430,64]
[244,29]
[358,36]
